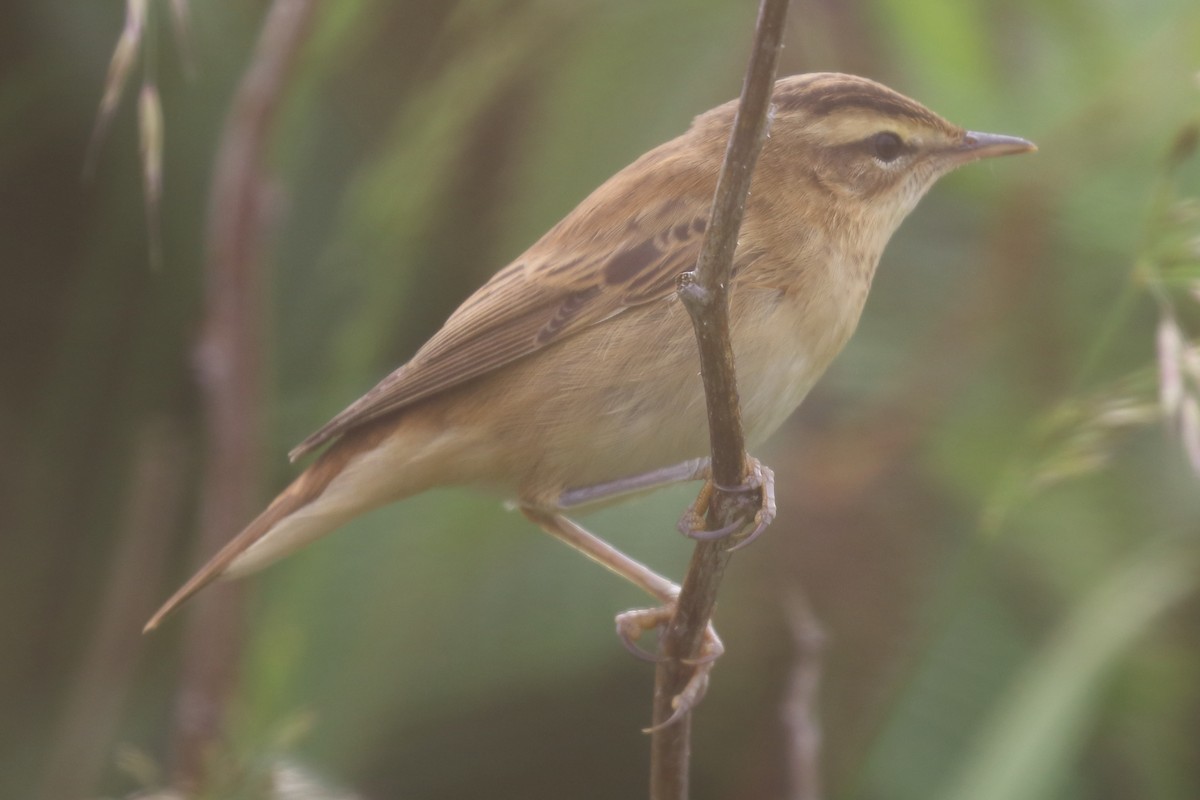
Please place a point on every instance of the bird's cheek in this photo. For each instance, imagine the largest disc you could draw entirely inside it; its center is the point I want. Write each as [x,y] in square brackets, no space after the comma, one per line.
[911,191]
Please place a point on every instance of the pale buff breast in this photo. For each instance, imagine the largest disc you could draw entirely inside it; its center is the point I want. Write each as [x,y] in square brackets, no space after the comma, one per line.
[783,343]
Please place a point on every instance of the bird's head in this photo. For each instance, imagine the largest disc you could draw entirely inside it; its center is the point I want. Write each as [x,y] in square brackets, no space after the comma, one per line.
[853,143]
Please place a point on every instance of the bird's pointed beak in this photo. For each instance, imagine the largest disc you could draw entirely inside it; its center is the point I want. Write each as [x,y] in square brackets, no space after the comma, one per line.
[976,145]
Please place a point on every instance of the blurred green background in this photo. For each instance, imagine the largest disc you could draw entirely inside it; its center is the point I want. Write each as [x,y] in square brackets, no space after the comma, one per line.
[980,506]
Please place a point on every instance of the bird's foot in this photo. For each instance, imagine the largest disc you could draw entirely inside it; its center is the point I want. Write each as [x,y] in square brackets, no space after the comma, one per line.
[761,480]
[630,627]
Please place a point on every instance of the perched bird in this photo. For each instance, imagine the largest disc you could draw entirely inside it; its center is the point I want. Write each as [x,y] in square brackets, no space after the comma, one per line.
[572,376]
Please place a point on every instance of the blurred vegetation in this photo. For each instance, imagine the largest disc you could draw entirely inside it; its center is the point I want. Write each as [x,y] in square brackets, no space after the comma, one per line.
[983,503]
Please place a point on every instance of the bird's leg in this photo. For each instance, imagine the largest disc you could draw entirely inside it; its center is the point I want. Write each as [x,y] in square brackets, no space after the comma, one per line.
[693,470]
[691,524]
[632,624]
[603,553]
[761,479]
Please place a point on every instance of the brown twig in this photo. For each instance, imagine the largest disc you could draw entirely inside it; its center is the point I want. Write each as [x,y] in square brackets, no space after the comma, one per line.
[91,716]
[229,365]
[799,709]
[704,293]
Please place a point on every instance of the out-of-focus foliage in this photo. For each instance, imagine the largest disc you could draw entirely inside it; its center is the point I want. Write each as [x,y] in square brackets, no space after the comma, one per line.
[981,503]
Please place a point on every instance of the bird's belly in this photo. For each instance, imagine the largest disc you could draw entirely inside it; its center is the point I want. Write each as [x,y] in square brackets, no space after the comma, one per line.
[657,422]
[782,349]
[769,396]
[621,400]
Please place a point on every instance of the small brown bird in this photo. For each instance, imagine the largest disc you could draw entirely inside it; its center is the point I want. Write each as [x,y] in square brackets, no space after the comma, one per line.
[572,376]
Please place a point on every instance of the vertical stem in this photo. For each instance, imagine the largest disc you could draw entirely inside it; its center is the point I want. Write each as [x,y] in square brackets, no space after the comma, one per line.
[91,716]
[229,355]
[705,295]
[799,712]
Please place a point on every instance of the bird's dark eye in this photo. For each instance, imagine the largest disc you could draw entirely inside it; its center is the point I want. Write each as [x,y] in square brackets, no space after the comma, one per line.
[886,146]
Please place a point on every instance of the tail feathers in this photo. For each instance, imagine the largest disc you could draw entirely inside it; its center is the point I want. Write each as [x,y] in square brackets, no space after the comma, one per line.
[365,468]
[294,498]
[297,516]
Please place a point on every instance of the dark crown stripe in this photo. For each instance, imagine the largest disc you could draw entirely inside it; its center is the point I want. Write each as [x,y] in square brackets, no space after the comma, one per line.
[825,97]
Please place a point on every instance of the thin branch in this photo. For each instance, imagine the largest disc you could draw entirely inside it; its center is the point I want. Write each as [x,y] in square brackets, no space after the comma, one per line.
[799,710]
[229,365]
[705,295]
[92,713]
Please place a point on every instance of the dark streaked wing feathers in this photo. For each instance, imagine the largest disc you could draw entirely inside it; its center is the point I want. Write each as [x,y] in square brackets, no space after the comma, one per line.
[531,304]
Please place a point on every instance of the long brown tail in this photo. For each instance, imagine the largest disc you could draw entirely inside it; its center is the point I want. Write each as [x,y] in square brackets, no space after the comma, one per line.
[283,512]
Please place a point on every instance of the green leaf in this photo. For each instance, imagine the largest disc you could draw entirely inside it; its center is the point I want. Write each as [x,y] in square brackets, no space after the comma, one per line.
[1027,748]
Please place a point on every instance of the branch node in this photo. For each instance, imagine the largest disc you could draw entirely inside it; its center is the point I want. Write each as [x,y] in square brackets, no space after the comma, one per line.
[695,296]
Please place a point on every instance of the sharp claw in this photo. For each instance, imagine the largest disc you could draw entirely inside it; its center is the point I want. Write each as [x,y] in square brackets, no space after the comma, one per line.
[762,522]
[691,524]
[687,700]
[766,514]
[686,527]
[713,649]
[762,478]
[676,715]
[754,534]
[632,624]
[630,644]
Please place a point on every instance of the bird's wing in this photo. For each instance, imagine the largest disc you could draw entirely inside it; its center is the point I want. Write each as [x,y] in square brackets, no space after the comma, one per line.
[551,292]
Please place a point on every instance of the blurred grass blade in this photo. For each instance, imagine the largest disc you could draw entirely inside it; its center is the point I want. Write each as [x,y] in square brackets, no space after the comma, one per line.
[1189,432]
[150,141]
[136,764]
[1037,730]
[1077,438]
[119,67]
[1170,358]
[1184,146]
[181,21]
